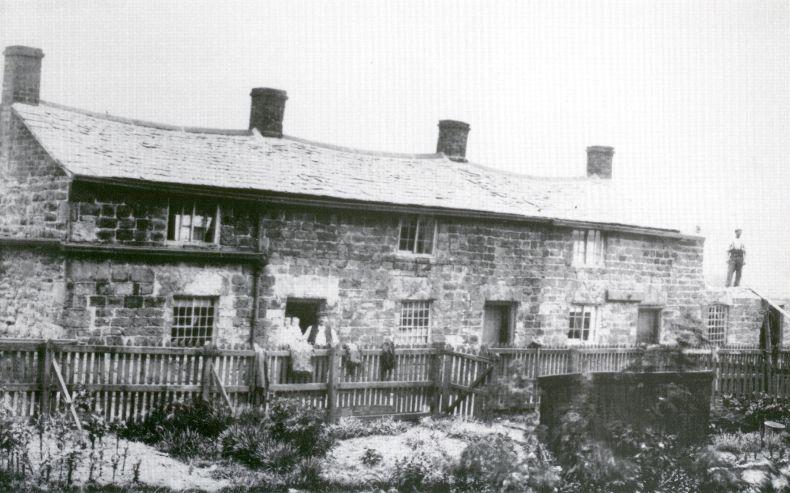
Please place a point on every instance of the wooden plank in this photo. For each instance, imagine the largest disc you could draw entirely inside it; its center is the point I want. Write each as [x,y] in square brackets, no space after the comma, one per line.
[334,376]
[385,385]
[221,388]
[464,393]
[65,392]
[297,387]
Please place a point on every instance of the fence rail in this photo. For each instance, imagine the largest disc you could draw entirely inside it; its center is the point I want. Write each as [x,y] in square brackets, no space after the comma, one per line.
[127,382]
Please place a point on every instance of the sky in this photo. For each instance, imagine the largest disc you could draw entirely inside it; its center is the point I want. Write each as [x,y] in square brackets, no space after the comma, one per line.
[693,95]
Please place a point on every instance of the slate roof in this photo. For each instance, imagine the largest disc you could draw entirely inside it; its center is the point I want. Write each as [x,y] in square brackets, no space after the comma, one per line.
[99,146]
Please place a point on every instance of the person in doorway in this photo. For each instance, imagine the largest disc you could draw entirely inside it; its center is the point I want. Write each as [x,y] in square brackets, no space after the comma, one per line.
[737,253]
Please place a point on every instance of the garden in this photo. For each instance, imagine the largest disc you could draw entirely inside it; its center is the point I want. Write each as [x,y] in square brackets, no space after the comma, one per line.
[198,446]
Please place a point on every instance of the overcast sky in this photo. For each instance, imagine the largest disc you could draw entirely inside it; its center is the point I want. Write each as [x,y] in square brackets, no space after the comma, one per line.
[693,95]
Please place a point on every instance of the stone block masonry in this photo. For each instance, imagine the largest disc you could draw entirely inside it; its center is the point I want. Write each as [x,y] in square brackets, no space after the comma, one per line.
[33,190]
[31,294]
[352,262]
[119,301]
[118,216]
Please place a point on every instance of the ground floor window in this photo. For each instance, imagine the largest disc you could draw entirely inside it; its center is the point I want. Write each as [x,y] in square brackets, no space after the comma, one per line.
[193,320]
[414,327]
[717,323]
[582,321]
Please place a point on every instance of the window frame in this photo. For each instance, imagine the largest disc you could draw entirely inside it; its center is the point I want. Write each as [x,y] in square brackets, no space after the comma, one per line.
[420,220]
[724,319]
[409,339]
[194,302]
[583,258]
[176,229]
[592,330]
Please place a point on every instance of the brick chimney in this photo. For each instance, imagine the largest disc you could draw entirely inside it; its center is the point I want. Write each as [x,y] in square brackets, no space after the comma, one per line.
[452,139]
[599,161]
[21,74]
[267,110]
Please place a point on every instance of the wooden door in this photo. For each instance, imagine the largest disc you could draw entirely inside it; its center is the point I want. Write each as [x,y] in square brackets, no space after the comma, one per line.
[647,326]
[496,325]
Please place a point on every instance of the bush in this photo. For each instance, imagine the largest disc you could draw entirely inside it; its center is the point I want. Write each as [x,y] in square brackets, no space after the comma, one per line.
[421,471]
[486,463]
[187,444]
[276,440]
[371,457]
[747,413]
[178,417]
[350,427]
[302,426]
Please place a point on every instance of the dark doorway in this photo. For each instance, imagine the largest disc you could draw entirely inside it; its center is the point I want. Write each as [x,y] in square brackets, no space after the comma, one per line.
[497,324]
[771,330]
[306,310]
[648,325]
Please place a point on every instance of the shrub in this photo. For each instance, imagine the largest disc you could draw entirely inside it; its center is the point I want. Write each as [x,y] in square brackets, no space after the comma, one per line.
[747,413]
[276,440]
[187,444]
[299,425]
[371,457]
[351,427]
[420,472]
[199,416]
[487,463]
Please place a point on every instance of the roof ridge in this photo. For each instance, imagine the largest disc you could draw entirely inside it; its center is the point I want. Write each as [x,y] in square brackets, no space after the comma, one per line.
[500,171]
[404,155]
[141,123]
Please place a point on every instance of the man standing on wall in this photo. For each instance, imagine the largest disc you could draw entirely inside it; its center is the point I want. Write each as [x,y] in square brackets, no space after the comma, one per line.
[737,253]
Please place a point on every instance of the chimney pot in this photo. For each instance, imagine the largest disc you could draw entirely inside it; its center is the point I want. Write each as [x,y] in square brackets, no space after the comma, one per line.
[452,139]
[22,75]
[267,110]
[599,161]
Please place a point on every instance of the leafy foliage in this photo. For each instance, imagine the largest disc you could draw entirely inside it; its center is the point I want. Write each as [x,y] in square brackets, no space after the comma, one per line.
[486,463]
[351,427]
[747,413]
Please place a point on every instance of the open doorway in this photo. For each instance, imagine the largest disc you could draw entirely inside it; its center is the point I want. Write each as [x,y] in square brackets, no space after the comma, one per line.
[771,329]
[498,322]
[307,311]
[647,327]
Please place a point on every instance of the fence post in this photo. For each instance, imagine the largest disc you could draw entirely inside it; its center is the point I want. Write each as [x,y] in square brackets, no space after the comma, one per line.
[45,351]
[447,373]
[573,360]
[436,377]
[206,377]
[332,383]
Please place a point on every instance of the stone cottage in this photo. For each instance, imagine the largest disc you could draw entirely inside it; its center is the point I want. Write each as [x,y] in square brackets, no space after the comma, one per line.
[117,229]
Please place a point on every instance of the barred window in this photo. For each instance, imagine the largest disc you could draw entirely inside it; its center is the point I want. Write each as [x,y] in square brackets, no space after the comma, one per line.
[192,222]
[588,247]
[417,234]
[717,323]
[193,321]
[415,323]
[582,321]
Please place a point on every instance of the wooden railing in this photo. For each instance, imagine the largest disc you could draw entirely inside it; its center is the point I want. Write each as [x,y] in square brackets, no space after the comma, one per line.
[127,382]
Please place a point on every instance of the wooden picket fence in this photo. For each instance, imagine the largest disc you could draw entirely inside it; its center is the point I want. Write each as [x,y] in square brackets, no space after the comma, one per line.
[127,382]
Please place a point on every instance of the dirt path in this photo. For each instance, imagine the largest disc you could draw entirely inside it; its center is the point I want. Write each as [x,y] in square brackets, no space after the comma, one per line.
[155,468]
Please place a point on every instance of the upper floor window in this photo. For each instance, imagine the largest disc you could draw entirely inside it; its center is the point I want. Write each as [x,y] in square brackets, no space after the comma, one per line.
[193,320]
[414,327]
[193,222]
[588,247]
[717,323]
[417,235]
[582,322]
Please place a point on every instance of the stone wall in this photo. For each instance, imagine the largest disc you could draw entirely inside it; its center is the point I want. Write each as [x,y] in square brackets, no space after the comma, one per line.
[117,300]
[33,188]
[351,261]
[31,294]
[113,215]
[660,273]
